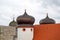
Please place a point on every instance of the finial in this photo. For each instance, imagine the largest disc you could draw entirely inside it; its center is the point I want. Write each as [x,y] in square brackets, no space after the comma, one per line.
[47,16]
[25,10]
[13,17]
[25,13]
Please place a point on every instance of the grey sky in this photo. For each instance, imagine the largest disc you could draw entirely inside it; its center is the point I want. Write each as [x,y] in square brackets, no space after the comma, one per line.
[35,8]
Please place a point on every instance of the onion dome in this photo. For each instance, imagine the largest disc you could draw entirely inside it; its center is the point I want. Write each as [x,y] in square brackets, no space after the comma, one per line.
[25,19]
[13,23]
[47,20]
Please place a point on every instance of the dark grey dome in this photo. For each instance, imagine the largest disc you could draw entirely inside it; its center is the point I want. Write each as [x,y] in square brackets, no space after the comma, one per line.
[47,20]
[25,19]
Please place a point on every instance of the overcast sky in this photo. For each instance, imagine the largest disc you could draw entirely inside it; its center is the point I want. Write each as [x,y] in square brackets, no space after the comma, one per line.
[35,8]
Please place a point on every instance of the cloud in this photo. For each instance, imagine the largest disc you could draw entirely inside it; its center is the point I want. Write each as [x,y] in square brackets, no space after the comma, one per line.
[35,8]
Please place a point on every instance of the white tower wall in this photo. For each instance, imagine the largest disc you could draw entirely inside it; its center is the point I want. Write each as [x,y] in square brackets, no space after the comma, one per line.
[25,33]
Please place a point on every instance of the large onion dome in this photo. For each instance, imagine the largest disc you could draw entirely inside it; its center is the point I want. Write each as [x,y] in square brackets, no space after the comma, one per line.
[13,23]
[47,20]
[25,19]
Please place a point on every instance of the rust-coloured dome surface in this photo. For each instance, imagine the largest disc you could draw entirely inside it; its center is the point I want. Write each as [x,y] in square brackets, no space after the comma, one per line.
[47,20]
[25,19]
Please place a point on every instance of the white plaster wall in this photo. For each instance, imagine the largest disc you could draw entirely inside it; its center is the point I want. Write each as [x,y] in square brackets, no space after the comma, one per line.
[25,35]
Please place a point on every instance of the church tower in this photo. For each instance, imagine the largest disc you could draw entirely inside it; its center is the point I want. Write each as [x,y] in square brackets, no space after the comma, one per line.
[25,27]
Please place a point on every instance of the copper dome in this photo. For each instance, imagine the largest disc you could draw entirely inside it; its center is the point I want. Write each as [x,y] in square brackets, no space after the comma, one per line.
[47,20]
[25,19]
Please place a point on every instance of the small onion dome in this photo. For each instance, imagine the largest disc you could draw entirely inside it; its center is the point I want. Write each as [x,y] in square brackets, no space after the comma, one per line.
[47,20]
[13,23]
[25,19]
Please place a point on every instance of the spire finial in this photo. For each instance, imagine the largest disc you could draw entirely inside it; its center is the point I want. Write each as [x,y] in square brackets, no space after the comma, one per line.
[25,13]
[25,10]
[13,17]
[47,16]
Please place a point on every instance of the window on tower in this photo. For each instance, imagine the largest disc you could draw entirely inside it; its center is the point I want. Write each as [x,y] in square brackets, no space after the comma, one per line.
[31,29]
[24,29]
